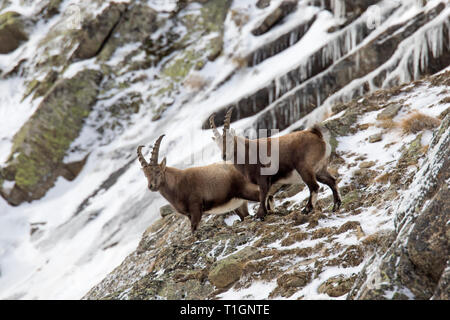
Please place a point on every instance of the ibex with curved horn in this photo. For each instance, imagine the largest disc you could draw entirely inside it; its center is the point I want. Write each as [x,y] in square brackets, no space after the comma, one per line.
[216,188]
[302,157]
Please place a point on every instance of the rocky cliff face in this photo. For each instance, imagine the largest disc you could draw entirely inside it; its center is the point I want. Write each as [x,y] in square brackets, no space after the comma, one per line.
[84,82]
[388,241]
[34,168]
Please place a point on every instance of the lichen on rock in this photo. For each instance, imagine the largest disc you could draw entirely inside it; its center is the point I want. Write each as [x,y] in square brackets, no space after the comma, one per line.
[41,144]
[95,32]
[416,261]
[12,31]
[227,271]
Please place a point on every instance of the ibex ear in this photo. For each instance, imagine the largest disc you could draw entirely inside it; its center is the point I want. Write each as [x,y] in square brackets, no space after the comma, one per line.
[162,165]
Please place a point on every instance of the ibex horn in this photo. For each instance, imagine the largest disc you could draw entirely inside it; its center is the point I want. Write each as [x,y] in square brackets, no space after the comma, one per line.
[213,126]
[226,123]
[141,157]
[155,151]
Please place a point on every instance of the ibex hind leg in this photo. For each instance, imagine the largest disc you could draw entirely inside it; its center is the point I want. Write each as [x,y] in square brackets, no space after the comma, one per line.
[309,178]
[242,211]
[251,192]
[325,177]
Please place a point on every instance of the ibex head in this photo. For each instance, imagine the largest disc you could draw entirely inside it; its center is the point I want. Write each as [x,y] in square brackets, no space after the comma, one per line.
[224,141]
[154,172]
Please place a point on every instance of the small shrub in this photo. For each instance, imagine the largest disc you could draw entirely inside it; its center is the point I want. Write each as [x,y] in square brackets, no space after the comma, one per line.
[416,122]
[239,18]
[383,179]
[445,100]
[195,82]
[239,61]
[387,124]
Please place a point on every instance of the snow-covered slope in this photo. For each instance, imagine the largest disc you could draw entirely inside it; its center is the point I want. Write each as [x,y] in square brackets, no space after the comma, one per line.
[165,69]
[388,185]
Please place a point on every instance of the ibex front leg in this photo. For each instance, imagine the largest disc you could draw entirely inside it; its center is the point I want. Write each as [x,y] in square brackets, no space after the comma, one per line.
[264,186]
[195,215]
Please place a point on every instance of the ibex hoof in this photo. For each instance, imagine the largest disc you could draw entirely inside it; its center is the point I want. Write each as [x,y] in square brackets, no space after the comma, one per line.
[307,210]
[259,218]
[336,206]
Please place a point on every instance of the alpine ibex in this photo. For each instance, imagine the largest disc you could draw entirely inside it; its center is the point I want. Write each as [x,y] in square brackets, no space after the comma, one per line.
[302,156]
[216,188]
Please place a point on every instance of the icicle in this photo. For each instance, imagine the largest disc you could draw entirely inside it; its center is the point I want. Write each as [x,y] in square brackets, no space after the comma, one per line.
[292,38]
[277,87]
[317,96]
[270,96]
[255,57]
[372,86]
[281,85]
[338,7]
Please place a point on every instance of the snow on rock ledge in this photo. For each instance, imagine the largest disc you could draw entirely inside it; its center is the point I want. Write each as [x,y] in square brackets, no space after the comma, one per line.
[324,255]
[414,264]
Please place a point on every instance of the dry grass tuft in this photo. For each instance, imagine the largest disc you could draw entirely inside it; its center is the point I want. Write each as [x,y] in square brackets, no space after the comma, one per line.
[239,18]
[383,179]
[387,124]
[416,122]
[239,61]
[424,149]
[327,114]
[445,100]
[195,82]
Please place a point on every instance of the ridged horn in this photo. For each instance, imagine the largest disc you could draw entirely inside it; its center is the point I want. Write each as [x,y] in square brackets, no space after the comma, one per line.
[213,127]
[155,151]
[141,157]
[226,123]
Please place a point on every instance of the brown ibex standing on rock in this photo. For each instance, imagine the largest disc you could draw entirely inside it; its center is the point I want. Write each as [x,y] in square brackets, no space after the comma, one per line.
[216,188]
[302,156]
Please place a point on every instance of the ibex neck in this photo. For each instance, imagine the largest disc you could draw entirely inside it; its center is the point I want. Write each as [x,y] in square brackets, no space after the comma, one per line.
[170,185]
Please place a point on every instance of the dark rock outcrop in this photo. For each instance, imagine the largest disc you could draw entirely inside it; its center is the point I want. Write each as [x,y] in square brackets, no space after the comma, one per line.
[12,31]
[50,9]
[279,44]
[415,265]
[95,33]
[291,251]
[318,62]
[292,96]
[311,93]
[261,4]
[136,23]
[285,7]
